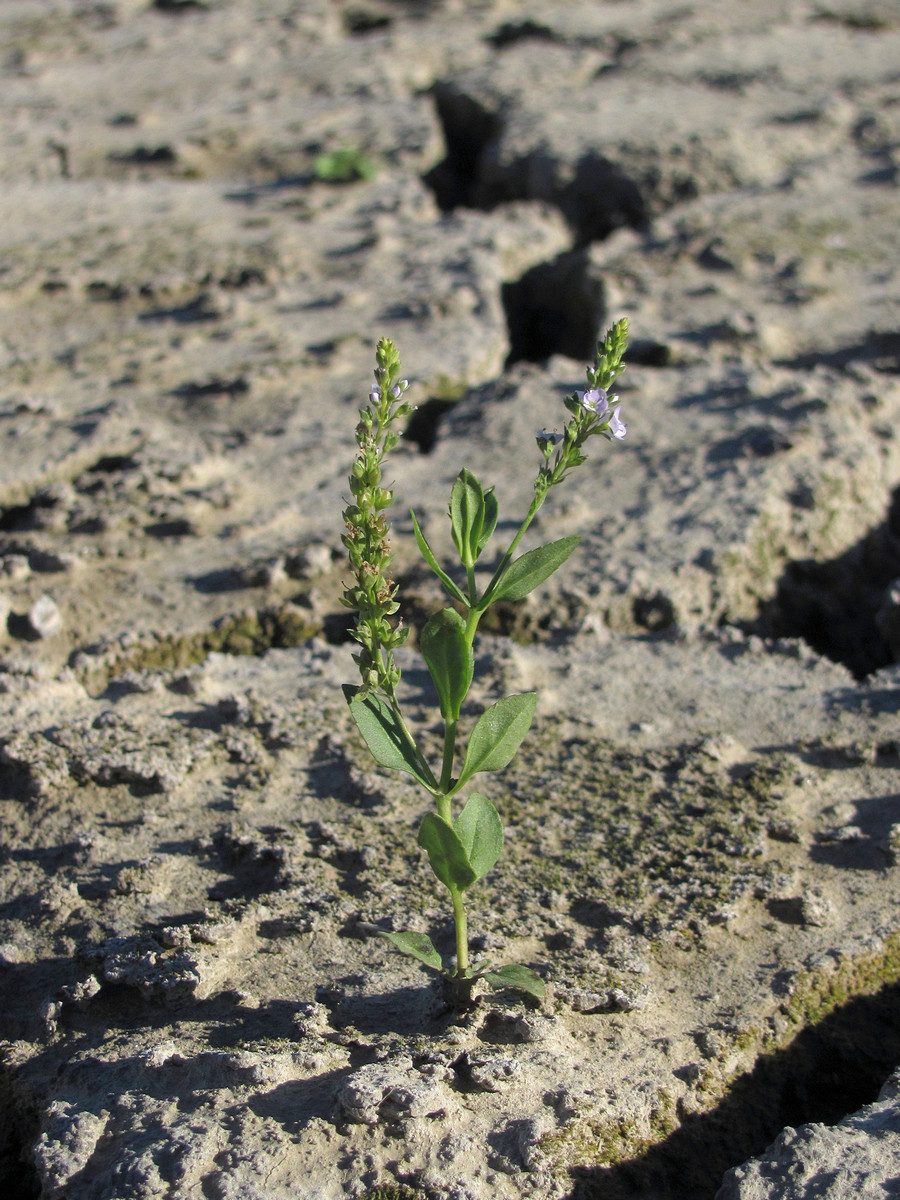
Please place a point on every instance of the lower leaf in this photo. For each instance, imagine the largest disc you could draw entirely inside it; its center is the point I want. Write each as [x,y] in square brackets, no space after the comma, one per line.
[516,976]
[417,945]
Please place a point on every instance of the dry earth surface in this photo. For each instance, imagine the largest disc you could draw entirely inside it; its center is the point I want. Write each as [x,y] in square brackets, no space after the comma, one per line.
[703,844]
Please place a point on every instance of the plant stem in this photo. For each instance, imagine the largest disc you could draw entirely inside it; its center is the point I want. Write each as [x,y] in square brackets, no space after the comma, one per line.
[449,749]
[410,740]
[505,561]
[462,937]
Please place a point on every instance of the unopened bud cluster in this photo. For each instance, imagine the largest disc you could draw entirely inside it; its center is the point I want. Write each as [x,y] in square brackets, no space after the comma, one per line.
[594,411]
[366,538]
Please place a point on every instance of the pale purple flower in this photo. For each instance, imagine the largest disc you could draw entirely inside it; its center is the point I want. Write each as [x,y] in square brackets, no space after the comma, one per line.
[553,439]
[617,426]
[595,401]
[375,394]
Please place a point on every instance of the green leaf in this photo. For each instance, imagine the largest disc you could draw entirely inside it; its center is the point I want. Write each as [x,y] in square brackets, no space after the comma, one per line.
[343,166]
[428,554]
[467,515]
[479,829]
[418,945]
[383,734]
[498,734]
[491,512]
[445,853]
[531,569]
[449,658]
[516,976]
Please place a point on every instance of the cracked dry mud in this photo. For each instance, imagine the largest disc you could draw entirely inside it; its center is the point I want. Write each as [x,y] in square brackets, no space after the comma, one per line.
[703,828]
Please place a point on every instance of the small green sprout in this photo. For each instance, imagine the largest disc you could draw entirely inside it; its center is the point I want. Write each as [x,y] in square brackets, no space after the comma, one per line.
[343,166]
[464,845]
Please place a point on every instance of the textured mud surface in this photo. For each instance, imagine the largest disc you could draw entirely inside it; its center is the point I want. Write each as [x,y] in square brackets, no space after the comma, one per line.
[704,825]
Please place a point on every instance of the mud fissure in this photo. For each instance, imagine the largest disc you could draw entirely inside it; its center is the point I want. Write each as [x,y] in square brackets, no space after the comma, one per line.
[468,128]
[596,198]
[847,608]
[18,1132]
[554,308]
[829,1070]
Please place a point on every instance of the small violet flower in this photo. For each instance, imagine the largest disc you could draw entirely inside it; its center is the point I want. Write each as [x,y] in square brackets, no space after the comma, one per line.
[594,401]
[547,440]
[617,426]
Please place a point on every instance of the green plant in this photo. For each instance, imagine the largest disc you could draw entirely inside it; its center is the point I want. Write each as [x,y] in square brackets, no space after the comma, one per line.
[343,166]
[461,848]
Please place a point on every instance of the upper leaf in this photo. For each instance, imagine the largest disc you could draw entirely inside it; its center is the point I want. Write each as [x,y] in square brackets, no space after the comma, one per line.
[445,853]
[498,734]
[467,515]
[479,829]
[449,658]
[428,554]
[531,569]
[383,734]
[491,512]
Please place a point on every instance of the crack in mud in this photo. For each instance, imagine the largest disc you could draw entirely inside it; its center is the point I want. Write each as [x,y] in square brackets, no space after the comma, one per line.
[846,608]
[844,1041]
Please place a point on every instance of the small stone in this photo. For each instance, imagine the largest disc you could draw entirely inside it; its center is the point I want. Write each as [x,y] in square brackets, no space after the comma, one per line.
[891,844]
[815,910]
[139,682]
[15,567]
[844,833]
[10,954]
[492,1074]
[311,1019]
[314,560]
[44,618]
[783,829]
[388,1092]
[80,994]
[157,1056]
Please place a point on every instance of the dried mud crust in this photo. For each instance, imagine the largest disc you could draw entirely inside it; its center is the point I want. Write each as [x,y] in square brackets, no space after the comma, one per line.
[703,831]
[188,868]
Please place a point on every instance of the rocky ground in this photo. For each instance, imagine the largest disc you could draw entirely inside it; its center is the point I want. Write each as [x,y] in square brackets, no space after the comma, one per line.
[704,824]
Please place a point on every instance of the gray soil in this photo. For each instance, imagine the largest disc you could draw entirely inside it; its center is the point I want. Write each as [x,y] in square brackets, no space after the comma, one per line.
[703,827]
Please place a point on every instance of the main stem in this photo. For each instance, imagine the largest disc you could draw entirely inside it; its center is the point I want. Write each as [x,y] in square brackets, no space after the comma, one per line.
[505,561]
[462,936]
[444,808]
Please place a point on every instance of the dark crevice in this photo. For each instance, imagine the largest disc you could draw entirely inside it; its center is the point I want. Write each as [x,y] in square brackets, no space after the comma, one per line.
[600,199]
[828,1071]
[596,198]
[110,464]
[357,21]
[847,608]
[555,308]
[423,425]
[468,128]
[20,517]
[646,352]
[512,32]
[19,1127]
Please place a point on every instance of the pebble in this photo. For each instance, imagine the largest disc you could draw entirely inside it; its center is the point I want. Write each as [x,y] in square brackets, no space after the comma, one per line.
[44,617]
